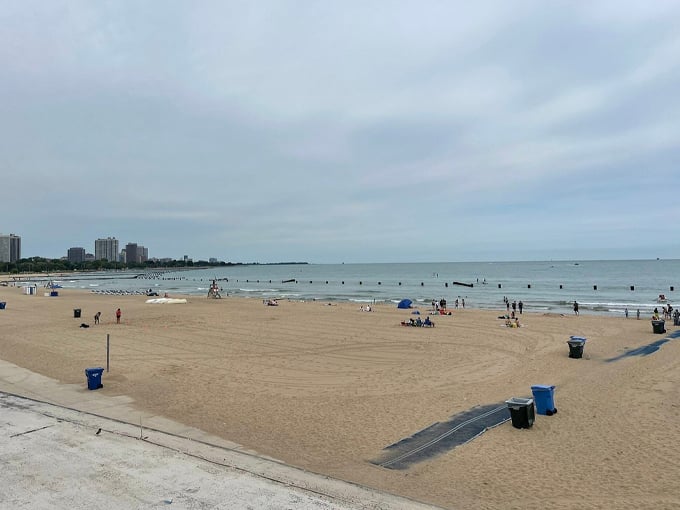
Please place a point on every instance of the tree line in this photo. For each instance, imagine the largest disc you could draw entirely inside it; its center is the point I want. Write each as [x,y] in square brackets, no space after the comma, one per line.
[44,265]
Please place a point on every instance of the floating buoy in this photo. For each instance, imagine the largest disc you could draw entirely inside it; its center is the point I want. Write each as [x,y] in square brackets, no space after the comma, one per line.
[310,281]
[399,283]
[326,282]
[446,284]
[499,285]
[632,287]
[560,286]
[594,287]
[361,283]
[672,289]
[343,282]
[422,284]
[379,283]
[529,286]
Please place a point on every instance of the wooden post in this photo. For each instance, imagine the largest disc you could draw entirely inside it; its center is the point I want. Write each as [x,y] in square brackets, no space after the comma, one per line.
[107,351]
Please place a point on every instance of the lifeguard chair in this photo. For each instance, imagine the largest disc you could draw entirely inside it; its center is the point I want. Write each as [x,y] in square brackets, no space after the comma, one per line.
[214,291]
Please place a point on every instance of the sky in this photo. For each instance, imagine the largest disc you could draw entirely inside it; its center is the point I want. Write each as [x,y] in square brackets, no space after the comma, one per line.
[353,131]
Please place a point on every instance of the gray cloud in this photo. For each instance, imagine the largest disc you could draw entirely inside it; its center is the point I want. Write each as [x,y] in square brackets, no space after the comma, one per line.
[387,131]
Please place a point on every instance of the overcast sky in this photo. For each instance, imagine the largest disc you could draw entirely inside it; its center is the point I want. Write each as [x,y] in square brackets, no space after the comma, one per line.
[347,131]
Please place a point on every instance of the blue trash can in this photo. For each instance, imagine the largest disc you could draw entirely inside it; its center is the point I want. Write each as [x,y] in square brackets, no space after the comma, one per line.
[544,399]
[94,378]
[2,305]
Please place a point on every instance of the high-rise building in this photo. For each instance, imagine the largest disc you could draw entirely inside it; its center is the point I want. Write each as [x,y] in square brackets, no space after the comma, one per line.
[10,248]
[76,255]
[131,253]
[106,249]
[136,253]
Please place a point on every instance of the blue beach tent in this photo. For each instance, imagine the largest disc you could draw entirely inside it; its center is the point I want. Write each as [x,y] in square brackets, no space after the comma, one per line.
[404,303]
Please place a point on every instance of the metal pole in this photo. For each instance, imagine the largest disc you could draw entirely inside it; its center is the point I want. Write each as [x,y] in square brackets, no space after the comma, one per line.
[107,352]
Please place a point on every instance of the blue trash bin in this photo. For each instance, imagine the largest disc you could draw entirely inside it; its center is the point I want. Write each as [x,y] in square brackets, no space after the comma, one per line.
[2,305]
[94,378]
[544,399]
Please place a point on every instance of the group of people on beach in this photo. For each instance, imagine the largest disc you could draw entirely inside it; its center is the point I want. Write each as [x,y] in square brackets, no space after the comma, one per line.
[97,318]
[440,306]
[418,322]
[515,306]
[667,313]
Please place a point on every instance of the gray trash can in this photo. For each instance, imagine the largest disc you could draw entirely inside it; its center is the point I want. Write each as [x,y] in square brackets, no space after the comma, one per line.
[522,413]
[576,344]
[659,327]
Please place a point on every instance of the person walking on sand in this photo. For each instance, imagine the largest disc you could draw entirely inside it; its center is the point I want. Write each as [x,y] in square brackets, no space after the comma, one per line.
[118,314]
[96,317]
[520,305]
[576,307]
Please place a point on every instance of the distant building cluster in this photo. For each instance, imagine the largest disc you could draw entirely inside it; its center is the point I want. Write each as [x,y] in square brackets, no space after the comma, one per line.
[107,249]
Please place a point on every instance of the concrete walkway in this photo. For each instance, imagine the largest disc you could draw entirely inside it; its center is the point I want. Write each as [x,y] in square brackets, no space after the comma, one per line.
[62,446]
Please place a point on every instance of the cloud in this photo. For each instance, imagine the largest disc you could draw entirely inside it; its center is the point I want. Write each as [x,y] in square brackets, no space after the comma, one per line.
[331,132]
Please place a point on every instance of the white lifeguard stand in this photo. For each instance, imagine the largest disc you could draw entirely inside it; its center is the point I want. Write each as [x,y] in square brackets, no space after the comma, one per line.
[214,291]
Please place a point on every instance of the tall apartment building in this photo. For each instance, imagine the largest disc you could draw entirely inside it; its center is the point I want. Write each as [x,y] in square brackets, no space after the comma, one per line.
[10,248]
[136,253]
[106,249]
[76,255]
[131,253]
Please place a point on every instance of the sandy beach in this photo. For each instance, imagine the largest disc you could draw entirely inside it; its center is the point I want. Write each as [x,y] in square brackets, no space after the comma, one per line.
[326,387]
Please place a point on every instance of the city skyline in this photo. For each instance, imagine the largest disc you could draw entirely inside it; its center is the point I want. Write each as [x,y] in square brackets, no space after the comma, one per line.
[349,132]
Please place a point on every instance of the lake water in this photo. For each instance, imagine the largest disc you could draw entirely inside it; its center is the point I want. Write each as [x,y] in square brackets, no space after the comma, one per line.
[600,287]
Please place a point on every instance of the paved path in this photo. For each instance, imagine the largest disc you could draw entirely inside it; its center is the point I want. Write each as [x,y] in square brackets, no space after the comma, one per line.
[66,447]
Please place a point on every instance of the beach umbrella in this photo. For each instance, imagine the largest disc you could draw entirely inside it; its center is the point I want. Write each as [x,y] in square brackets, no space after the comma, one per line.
[405,303]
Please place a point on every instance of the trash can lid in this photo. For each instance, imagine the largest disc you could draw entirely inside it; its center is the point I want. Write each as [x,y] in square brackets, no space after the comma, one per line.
[578,338]
[543,387]
[576,341]
[519,401]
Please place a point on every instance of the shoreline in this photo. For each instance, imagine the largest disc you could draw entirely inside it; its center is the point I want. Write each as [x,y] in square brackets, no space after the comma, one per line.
[327,388]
